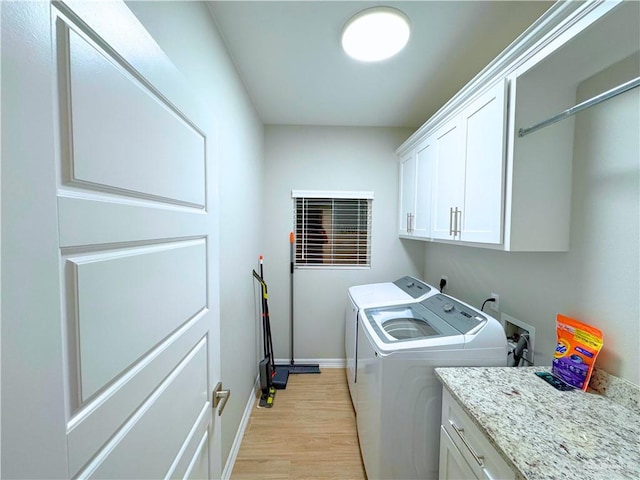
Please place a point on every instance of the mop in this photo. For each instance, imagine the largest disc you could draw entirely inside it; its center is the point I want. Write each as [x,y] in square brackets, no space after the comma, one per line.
[265,366]
[277,375]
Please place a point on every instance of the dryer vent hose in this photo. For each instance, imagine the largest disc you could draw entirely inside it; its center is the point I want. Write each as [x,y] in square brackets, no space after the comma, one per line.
[523,342]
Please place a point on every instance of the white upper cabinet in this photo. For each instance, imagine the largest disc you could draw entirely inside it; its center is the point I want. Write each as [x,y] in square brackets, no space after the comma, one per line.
[448,188]
[469,171]
[492,185]
[407,191]
[483,128]
[416,176]
[425,156]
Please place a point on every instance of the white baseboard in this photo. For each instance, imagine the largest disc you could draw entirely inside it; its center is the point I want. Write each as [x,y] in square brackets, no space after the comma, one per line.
[321,362]
[237,441]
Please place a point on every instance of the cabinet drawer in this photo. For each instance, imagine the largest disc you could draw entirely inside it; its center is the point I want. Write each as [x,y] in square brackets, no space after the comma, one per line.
[475,448]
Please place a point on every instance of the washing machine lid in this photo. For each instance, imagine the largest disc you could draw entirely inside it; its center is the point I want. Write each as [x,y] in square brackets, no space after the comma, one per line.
[377,294]
[438,316]
[404,290]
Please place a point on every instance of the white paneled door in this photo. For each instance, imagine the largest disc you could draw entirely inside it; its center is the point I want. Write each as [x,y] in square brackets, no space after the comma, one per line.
[110,328]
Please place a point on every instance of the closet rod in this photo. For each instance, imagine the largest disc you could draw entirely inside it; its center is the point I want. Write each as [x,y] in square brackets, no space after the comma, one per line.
[581,106]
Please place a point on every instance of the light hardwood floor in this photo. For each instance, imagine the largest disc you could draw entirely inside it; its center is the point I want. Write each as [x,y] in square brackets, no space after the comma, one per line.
[309,433]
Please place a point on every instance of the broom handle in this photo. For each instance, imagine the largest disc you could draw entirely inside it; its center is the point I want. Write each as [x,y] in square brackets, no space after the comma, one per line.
[261,268]
[265,311]
[292,260]
[268,343]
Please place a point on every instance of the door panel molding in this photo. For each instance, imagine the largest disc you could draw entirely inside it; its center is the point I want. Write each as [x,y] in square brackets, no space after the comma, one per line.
[90,427]
[127,301]
[192,448]
[105,105]
[168,415]
[199,465]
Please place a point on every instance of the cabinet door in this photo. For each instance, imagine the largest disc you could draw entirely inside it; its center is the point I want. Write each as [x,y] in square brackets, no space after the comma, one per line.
[407,192]
[448,187]
[452,464]
[483,127]
[425,154]
[470,443]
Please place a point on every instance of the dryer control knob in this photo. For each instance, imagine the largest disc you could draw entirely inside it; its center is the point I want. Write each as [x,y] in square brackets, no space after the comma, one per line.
[448,307]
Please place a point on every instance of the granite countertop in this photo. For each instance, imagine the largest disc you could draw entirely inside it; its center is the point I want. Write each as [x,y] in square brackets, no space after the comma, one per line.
[545,433]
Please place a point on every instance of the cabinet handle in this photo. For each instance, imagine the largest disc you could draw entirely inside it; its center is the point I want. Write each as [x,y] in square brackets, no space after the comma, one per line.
[460,432]
[458,227]
[451,221]
[409,222]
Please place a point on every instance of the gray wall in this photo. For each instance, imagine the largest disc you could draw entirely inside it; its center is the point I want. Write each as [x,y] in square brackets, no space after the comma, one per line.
[328,158]
[188,35]
[597,280]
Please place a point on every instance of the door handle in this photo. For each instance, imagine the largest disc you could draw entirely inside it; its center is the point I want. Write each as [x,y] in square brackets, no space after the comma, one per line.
[220,397]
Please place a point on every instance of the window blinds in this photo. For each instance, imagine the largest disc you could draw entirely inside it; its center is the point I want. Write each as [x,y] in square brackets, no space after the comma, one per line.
[332,231]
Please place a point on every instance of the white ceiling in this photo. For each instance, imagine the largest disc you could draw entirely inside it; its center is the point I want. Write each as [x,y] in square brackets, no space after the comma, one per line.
[289,57]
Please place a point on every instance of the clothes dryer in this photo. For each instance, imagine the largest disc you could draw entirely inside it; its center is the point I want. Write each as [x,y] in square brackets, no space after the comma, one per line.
[398,395]
[403,290]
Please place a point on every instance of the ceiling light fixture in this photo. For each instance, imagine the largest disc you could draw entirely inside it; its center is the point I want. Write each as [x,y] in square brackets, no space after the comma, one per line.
[375,34]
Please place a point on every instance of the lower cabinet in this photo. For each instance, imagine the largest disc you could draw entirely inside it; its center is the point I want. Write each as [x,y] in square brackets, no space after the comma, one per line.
[452,463]
[465,453]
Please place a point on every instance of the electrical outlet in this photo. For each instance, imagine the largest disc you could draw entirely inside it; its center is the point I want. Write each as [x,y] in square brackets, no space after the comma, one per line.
[495,306]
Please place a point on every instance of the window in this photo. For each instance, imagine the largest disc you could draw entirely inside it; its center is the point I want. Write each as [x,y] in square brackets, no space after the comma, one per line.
[332,228]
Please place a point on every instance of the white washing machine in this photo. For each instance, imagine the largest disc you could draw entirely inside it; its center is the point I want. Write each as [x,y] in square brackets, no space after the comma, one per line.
[398,395]
[404,290]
